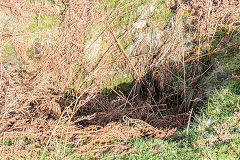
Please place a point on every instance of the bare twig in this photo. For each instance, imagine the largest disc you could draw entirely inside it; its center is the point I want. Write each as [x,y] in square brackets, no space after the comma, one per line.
[189,120]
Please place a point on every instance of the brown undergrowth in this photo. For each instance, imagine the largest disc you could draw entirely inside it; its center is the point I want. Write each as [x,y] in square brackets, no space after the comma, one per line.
[36,114]
[33,103]
[58,99]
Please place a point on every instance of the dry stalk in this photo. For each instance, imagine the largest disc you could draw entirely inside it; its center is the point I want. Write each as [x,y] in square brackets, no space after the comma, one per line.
[189,120]
[125,54]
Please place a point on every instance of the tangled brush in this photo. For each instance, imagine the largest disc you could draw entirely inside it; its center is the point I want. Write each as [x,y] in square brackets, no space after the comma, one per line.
[60,96]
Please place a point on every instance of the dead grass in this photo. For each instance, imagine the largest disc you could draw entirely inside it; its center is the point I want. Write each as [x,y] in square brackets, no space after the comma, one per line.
[21,8]
[33,99]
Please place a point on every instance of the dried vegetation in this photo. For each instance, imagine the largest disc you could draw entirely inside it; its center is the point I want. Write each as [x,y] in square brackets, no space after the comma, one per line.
[59,95]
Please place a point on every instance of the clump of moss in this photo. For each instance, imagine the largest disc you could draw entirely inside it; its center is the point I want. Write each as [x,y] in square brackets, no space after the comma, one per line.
[161,13]
[9,53]
[134,11]
[130,10]
[9,50]
[231,64]
[234,86]
[44,22]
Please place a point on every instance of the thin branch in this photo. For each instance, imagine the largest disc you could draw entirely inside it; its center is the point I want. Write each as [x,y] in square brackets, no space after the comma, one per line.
[189,120]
